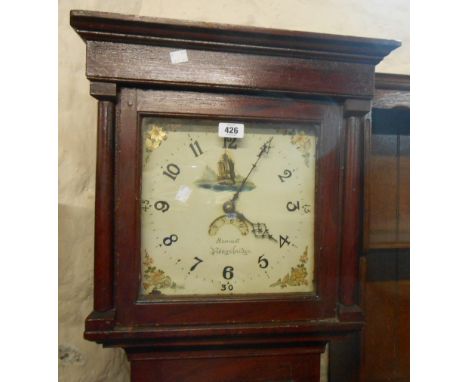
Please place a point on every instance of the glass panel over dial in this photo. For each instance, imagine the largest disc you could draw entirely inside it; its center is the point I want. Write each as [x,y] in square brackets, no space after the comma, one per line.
[224,216]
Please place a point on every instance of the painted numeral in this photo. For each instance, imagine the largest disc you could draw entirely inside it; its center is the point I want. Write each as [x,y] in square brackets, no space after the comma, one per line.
[161,205]
[169,240]
[196,149]
[283,240]
[196,264]
[286,174]
[227,286]
[230,143]
[292,206]
[145,205]
[228,272]
[262,262]
[172,170]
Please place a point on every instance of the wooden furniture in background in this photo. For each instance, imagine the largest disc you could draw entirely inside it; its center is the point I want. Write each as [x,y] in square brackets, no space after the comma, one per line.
[386,237]
[233,73]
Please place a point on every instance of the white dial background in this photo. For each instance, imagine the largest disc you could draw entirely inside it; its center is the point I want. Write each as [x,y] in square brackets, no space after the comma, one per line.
[179,256]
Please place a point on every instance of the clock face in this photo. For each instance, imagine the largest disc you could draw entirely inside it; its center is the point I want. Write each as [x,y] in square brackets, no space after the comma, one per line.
[226,216]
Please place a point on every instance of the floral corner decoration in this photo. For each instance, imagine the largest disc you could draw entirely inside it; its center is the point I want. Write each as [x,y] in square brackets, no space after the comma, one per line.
[153,139]
[304,144]
[297,276]
[154,279]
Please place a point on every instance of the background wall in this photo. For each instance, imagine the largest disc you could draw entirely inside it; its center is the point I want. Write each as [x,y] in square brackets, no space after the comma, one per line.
[84,361]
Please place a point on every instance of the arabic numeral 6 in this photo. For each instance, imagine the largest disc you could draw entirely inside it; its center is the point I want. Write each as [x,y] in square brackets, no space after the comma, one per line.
[228,272]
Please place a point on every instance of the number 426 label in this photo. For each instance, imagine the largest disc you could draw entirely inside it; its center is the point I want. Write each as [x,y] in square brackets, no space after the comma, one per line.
[231,130]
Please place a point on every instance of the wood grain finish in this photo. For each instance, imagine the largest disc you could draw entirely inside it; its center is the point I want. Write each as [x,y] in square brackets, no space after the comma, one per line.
[300,364]
[152,65]
[111,27]
[385,293]
[352,205]
[103,246]
[351,212]
[389,81]
[391,90]
[388,182]
[386,340]
[246,74]
[227,57]
[237,309]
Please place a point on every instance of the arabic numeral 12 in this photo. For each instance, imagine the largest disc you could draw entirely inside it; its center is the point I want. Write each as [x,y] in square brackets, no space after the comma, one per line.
[230,143]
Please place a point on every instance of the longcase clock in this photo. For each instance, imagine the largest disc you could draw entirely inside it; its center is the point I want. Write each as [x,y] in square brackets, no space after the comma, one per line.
[228,194]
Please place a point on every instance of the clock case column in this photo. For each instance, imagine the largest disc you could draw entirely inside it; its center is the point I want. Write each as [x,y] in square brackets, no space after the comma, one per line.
[355,112]
[103,313]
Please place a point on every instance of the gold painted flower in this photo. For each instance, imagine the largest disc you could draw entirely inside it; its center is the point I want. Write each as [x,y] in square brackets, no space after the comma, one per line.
[154,138]
[304,145]
[154,279]
[303,258]
[302,141]
[297,276]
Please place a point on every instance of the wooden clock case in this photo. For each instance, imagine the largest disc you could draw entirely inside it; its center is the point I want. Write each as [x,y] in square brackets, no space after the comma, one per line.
[232,74]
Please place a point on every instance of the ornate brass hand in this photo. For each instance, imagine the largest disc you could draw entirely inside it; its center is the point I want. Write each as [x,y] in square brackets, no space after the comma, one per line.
[237,219]
[230,205]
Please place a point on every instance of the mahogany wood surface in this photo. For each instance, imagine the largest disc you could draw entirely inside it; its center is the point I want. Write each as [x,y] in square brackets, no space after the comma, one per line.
[246,74]
[112,27]
[388,183]
[386,340]
[381,351]
[103,250]
[133,104]
[299,364]
[389,81]
[385,293]
[152,65]
[391,90]
[351,211]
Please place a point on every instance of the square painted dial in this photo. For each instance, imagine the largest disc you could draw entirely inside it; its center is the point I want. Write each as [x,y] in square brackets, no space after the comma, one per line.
[226,216]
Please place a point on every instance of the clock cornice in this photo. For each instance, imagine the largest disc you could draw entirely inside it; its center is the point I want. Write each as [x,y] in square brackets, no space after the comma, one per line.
[113,27]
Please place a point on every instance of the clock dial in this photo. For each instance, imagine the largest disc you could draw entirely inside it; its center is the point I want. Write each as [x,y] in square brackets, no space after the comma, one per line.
[224,216]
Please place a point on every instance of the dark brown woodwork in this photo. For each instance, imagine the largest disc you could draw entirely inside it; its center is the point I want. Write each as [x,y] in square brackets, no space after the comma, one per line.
[141,46]
[386,339]
[111,27]
[244,74]
[150,64]
[103,250]
[301,364]
[385,293]
[390,81]
[354,110]
[388,182]
[216,310]
[103,90]
[391,90]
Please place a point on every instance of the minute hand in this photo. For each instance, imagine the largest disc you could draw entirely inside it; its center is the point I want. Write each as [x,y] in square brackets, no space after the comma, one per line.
[265,147]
